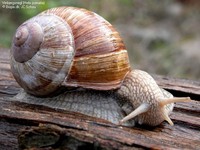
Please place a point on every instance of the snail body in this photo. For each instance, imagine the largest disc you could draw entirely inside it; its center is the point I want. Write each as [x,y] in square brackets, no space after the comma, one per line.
[69,48]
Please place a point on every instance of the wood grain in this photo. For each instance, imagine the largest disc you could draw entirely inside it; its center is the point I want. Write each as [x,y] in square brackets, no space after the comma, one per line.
[22,125]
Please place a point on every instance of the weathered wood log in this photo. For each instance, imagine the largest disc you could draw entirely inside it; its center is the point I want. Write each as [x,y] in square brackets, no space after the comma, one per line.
[25,125]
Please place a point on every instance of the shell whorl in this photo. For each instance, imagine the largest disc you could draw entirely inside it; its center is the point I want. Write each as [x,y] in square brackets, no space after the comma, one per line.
[27,41]
[43,72]
[75,48]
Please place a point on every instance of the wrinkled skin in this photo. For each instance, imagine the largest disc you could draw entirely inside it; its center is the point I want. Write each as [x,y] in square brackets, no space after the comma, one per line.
[138,87]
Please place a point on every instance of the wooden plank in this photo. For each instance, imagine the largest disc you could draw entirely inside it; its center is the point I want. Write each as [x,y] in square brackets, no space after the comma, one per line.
[179,86]
[62,129]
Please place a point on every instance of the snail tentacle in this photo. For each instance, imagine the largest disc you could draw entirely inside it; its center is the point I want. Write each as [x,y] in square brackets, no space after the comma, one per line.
[166,101]
[141,109]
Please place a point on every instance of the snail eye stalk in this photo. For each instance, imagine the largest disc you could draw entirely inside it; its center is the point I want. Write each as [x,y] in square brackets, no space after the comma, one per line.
[141,109]
[164,102]
[167,101]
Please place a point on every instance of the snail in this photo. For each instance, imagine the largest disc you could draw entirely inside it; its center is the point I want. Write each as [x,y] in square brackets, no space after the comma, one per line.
[73,59]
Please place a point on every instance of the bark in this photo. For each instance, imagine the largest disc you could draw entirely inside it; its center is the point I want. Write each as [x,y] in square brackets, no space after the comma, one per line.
[25,125]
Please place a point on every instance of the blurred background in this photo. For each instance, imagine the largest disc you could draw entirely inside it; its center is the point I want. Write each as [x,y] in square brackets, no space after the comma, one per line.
[162,37]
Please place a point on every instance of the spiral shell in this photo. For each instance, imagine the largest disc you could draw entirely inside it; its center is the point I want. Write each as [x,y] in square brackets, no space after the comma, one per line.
[68,46]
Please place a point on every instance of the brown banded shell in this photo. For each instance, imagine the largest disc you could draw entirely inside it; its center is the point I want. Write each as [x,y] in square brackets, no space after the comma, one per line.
[101,59]
[97,59]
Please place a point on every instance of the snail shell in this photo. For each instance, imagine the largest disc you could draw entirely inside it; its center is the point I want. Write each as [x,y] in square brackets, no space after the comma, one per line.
[70,47]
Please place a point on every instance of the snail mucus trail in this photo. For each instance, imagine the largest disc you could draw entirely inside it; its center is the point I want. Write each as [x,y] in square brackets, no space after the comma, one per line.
[73,48]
